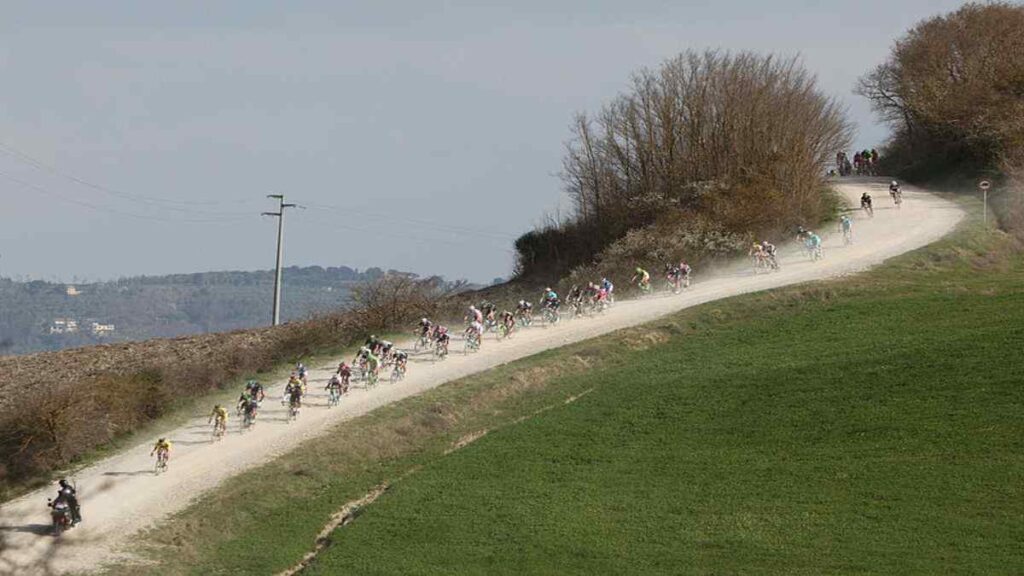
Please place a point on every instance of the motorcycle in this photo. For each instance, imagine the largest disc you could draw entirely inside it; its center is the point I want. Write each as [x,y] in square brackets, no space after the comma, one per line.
[60,514]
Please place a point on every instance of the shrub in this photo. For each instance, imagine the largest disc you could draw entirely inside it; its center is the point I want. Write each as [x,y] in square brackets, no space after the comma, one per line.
[742,140]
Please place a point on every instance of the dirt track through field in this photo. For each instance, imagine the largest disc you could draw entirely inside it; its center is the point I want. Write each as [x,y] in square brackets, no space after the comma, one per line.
[120,495]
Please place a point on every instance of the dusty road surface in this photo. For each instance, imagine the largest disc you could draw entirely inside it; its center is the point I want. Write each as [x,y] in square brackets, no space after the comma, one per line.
[121,495]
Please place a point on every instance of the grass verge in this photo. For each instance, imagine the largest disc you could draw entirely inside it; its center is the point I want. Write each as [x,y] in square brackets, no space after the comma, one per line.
[869,424]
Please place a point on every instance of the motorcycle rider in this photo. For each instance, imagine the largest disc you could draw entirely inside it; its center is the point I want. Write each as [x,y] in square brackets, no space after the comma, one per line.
[66,493]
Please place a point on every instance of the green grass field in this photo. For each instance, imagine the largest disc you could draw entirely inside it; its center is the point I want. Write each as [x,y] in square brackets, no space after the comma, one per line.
[873,424]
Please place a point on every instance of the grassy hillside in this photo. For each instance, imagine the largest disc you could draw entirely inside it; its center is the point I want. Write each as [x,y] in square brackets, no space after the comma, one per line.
[869,425]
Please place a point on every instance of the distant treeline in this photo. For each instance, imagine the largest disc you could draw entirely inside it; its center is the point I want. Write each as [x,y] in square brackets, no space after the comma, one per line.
[145,307]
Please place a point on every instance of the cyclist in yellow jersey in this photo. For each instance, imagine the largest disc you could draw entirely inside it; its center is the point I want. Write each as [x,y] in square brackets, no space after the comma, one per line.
[219,414]
[162,445]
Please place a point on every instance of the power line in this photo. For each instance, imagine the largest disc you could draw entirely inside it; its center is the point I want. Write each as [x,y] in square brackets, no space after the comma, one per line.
[416,222]
[105,209]
[163,203]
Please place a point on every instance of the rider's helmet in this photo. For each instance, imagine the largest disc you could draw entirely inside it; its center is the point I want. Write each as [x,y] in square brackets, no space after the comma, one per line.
[472,307]
[423,320]
[162,440]
[639,270]
[893,183]
[764,243]
[216,406]
[63,483]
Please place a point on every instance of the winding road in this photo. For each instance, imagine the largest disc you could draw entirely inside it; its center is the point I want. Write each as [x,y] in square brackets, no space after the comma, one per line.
[121,496]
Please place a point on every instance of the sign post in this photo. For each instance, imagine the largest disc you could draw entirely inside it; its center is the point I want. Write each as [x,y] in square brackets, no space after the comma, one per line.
[984,185]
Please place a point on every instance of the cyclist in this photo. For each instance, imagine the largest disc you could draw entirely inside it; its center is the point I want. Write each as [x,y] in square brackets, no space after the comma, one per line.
[293,391]
[475,330]
[769,251]
[255,390]
[642,279]
[685,271]
[162,449]
[294,379]
[345,373]
[336,386]
[361,355]
[401,361]
[441,338]
[813,244]
[474,315]
[385,350]
[550,299]
[426,327]
[219,417]
[302,372]
[756,252]
[249,409]
[524,310]
[672,277]
[243,399]
[488,309]
[575,298]
[846,225]
[508,320]
[372,343]
[373,364]
[609,289]
[865,203]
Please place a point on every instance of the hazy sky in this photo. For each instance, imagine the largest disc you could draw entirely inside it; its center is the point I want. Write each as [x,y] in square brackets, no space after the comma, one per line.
[141,137]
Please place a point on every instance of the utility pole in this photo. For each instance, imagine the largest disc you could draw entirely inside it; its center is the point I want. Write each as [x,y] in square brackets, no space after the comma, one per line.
[280,250]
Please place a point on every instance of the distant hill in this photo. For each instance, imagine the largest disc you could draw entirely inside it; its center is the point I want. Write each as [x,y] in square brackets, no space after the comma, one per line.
[37,316]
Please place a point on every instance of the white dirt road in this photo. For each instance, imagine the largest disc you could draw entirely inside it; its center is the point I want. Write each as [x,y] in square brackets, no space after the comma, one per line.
[120,495]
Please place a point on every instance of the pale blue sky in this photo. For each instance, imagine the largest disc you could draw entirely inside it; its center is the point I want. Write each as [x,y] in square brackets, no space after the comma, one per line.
[435,127]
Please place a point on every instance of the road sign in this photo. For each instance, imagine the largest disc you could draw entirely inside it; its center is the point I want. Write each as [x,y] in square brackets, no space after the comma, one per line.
[984,185]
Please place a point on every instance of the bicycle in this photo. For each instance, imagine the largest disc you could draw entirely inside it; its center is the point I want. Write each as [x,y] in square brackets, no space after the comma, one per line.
[472,343]
[504,331]
[397,374]
[248,419]
[220,427]
[550,315]
[293,410]
[815,253]
[333,397]
[524,319]
[162,457]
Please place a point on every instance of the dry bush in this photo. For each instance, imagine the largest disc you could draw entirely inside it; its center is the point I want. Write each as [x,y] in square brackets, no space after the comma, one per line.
[697,240]
[742,139]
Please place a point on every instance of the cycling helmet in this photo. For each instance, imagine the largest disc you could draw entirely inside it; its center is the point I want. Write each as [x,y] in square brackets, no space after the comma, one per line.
[163,440]
[639,270]
[424,320]
[63,483]
[764,242]
[894,183]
